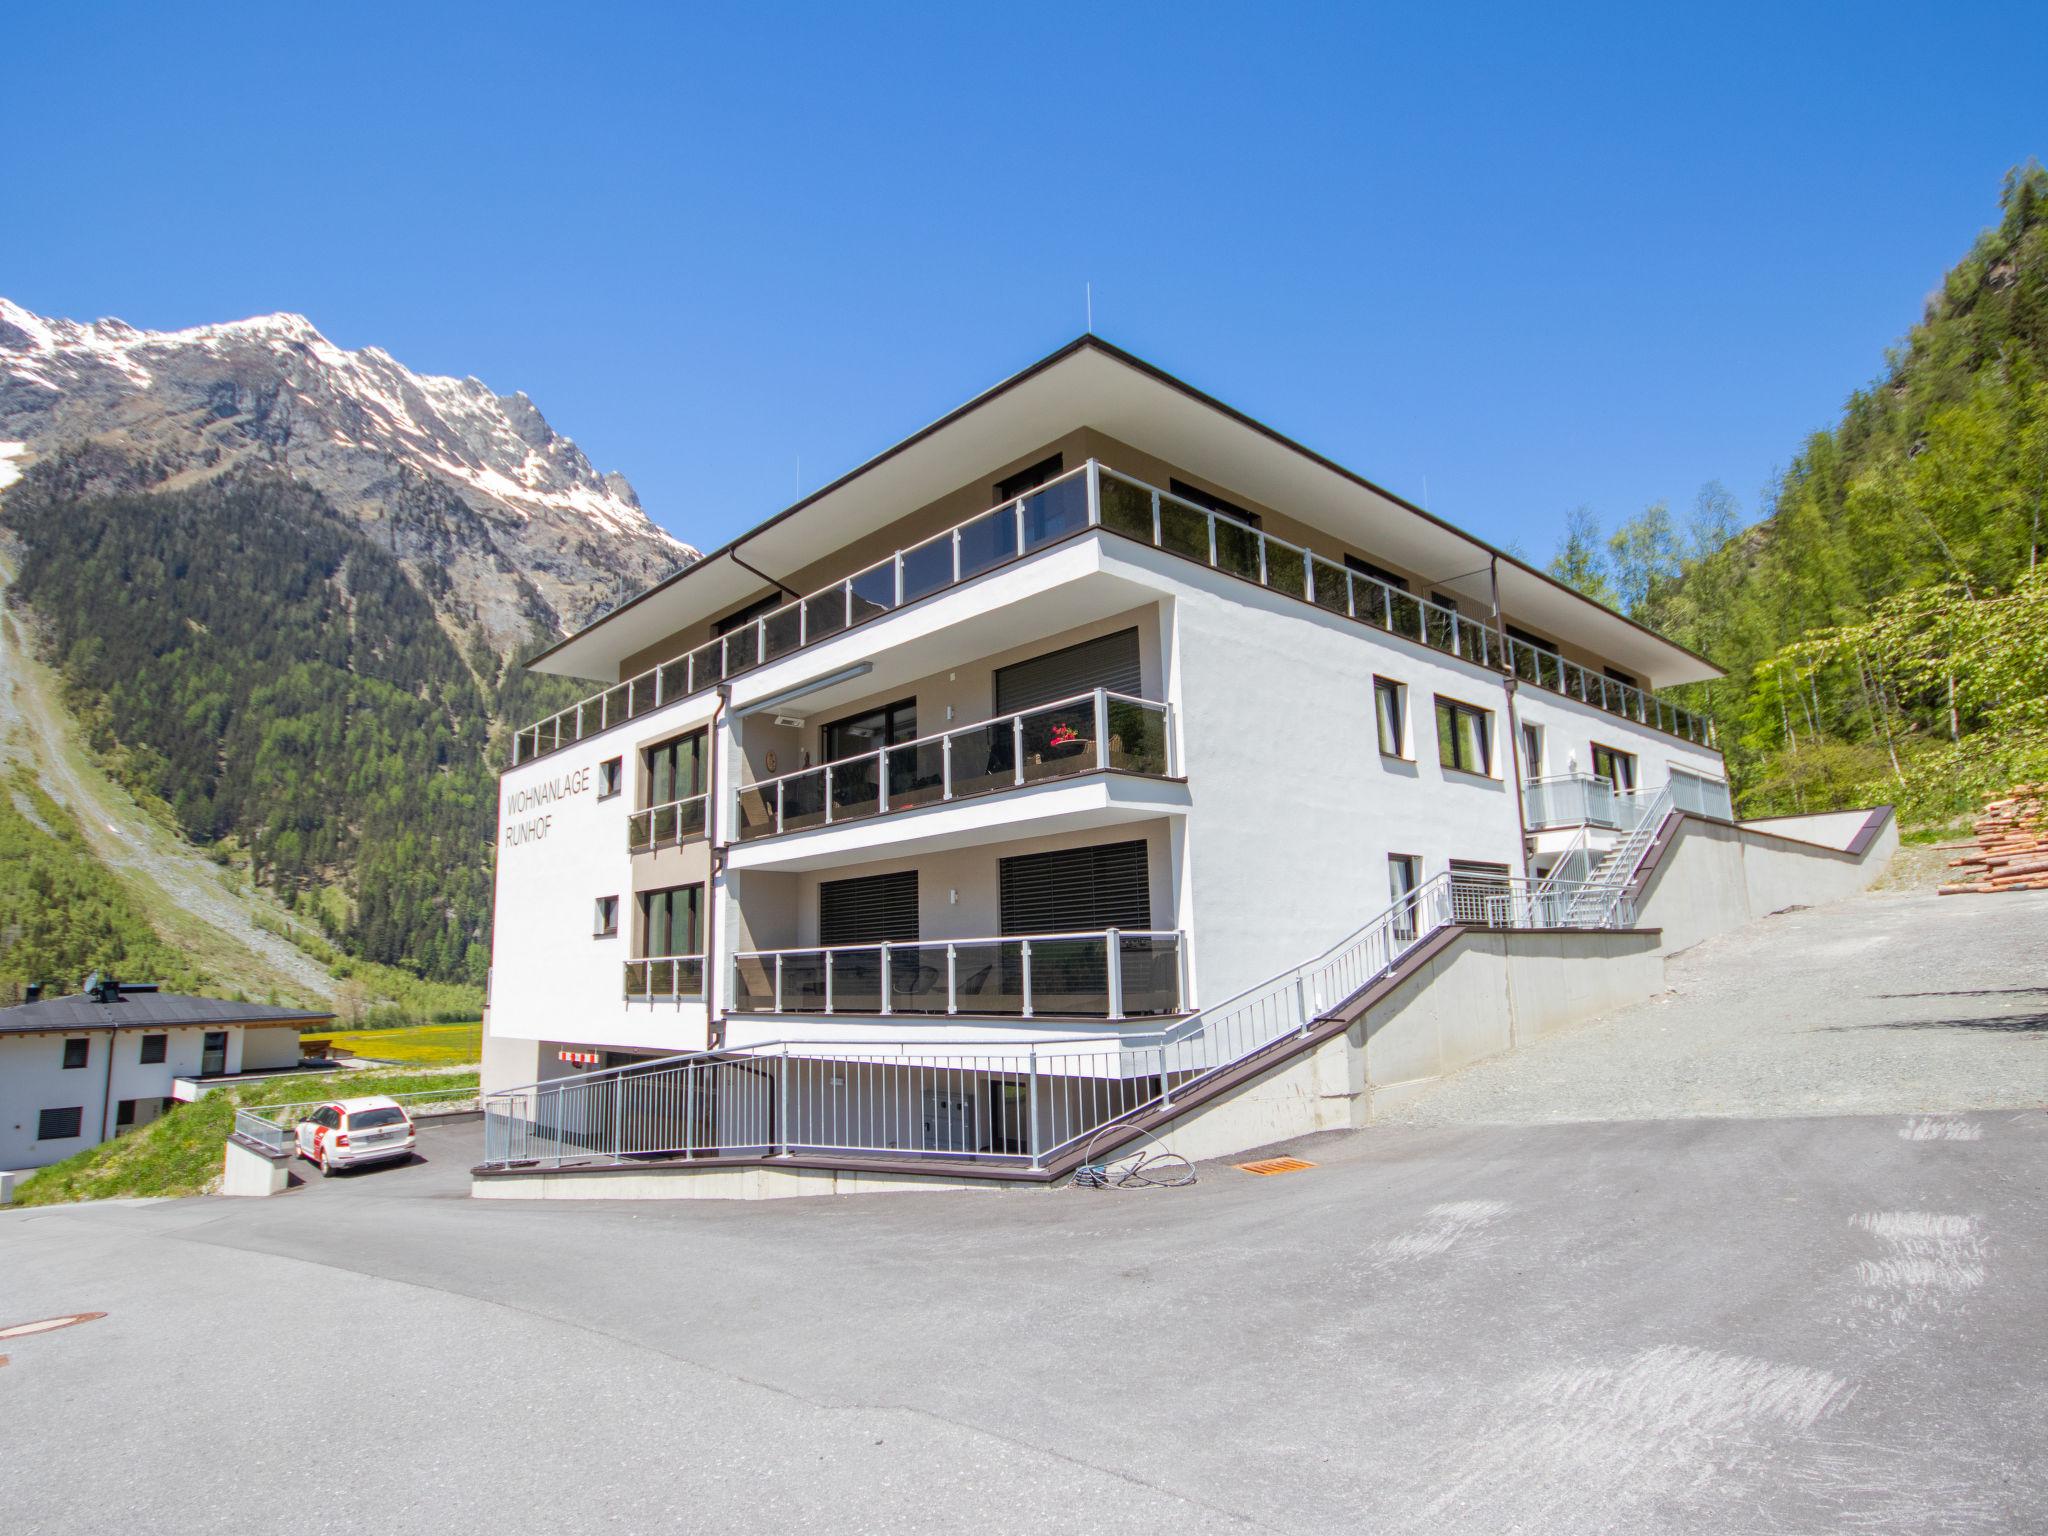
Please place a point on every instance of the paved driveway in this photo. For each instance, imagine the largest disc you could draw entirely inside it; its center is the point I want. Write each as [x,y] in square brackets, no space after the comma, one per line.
[1795,1323]
[445,1149]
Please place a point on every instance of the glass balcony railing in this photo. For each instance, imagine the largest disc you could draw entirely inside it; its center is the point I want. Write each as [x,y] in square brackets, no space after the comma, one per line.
[1094,496]
[1110,974]
[1583,799]
[1089,733]
[665,979]
[664,826]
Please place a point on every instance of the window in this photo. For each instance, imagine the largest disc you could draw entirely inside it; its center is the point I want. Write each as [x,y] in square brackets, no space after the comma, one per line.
[606,923]
[77,1053]
[1213,502]
[1464,737]
[1390,707]
[1445,601]
[153,1048]
[870,729]
[124,1115]
[1404,873]
[668,922]
[1108,661]
[872,909]
[610,777]
[1010,487]
[1617,768]
[1077,890]
[1378,573]
[1534,642]
[1532,750]
[1620,676]
[748,614]
[674,769]
[60,1124]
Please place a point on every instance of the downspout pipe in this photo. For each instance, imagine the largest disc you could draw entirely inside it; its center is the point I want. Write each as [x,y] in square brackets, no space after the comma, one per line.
[714,1024]
[1507,683]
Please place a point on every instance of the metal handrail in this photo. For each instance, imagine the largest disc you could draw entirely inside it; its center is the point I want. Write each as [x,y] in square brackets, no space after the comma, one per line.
[685,978]
[831,808]
[1193,532]
[912,1097]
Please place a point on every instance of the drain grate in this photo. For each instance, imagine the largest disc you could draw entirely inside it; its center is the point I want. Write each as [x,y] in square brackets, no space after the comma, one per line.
[48,1324]
[1268,1165]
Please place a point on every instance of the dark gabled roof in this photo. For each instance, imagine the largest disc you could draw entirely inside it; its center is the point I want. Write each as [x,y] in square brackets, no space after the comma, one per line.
[145,1010]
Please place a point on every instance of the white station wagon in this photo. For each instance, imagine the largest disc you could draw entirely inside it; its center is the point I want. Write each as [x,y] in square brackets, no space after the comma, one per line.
[351,1132]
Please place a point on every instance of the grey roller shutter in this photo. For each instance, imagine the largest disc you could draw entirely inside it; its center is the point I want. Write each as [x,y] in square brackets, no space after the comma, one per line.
[875,909]
[1077,890]
[1110,661]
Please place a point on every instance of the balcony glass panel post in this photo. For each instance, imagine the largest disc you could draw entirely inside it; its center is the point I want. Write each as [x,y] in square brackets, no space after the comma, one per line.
[778,984]
[1155,524]
[779,784]
[1025,945]
[1212,529]
[828,981]
[1094,496]
[1114,954]
[952,979]
[1031,1098]
[1260,540]
[1017,745]
[887,1000]
[826,780]
[945,767]
[1101,728]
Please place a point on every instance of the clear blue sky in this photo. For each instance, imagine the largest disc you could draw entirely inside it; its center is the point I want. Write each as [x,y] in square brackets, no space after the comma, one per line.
[1522,260]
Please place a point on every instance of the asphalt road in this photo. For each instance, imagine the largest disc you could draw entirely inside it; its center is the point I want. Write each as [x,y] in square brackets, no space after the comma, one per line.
[1797,1323]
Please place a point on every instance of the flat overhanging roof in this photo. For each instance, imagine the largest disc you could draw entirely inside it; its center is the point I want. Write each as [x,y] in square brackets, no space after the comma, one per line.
[1089,383]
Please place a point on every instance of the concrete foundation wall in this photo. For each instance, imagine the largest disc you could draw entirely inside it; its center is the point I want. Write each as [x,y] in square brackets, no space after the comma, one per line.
[1714,876]
[713,1183]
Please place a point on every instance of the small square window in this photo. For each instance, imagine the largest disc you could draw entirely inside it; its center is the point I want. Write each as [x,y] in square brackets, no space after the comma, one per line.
[611,777]
[606,923]
[153,1048]
[125,1115]
[77,1053]
[60,1124]
[1464,737]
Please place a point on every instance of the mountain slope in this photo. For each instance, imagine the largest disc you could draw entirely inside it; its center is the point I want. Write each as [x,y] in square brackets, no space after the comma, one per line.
[503,520]
[279,585]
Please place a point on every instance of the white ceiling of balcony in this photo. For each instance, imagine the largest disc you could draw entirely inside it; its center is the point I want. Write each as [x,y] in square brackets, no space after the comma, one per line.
[1092,384]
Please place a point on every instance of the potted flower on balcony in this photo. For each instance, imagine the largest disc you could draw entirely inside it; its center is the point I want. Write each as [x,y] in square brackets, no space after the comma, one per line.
[1065,741]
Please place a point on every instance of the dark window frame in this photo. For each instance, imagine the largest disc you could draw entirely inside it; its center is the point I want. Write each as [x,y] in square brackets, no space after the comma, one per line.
[1379,573]
[79,1046]
[1615,755]
[1399,691]
[611,778]
[1534,641]
[740,618]
[1488,744]
[1028,479]
[891,714]
[1209,500]
[870,909]
[670,746]
[48,1129]
[605,918]
[646,903]
[154,1049]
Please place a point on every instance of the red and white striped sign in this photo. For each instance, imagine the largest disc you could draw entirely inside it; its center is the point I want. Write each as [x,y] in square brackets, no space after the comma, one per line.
[579,1058]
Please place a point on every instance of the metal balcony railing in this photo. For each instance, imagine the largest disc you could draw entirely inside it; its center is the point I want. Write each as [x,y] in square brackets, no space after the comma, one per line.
[1111,974]
[662,826]
[1018,1105]
[665,979]
[1088,733]
[1584,799]
[1093,496]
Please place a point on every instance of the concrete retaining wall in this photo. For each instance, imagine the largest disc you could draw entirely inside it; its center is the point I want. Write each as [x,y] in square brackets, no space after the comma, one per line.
[1713,876]
[710,1182]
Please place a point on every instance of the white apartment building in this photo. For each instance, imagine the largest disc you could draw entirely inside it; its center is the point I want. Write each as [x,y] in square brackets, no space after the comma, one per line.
[79,1070]
[1090,705]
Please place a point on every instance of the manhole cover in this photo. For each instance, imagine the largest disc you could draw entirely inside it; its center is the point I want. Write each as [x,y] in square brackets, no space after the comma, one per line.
[1267,1165]
[48,1324]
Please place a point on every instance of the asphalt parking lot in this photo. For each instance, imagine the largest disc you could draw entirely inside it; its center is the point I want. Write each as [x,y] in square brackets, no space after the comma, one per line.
[445,1149]
[1797,1322]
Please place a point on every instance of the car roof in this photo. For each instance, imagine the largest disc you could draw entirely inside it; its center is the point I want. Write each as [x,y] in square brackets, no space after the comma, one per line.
[372,1101]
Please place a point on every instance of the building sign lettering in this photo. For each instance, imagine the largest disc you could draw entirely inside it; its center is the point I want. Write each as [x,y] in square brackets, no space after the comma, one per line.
[529,813]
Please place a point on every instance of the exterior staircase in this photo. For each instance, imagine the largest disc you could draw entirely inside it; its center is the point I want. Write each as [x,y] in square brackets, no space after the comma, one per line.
[1594,903]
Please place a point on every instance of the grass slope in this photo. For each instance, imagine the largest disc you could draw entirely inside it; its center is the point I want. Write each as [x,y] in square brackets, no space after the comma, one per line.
[180,1153]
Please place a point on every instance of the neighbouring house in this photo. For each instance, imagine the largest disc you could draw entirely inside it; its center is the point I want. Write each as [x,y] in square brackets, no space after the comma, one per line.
[79,1070]
[956,811]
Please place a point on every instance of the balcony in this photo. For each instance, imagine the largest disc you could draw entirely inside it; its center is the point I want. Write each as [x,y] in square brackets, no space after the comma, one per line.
[666,826]
[1107,975]
[1584,799]
[665,979]
[1088,733]
[1093,496]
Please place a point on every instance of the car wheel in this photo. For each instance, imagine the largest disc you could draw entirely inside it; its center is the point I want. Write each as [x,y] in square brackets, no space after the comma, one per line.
[327,1169]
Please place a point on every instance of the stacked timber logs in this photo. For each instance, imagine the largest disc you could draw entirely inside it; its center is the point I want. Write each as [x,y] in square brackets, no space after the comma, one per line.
[2011,850]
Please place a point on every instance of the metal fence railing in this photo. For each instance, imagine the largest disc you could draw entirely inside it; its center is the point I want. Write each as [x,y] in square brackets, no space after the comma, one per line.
[1006,1104]
[662,826]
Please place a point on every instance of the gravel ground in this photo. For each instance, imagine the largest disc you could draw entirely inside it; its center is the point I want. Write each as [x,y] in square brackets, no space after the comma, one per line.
[1889,1003]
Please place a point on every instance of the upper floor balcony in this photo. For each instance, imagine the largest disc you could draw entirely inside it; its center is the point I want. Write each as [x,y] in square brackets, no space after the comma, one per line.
[1095,732]
[1094,496]
[1588,800]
